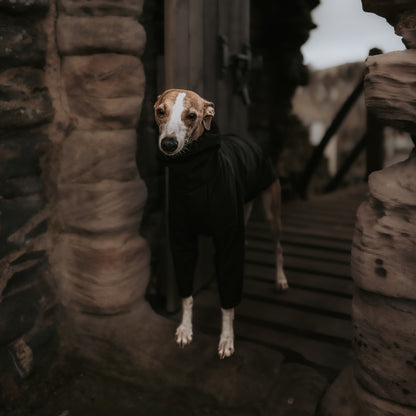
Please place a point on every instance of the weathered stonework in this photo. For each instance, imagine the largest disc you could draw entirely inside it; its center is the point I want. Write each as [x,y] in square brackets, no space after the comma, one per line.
[83,35]
[24,100]
[21,44]
[27,302]
[100,262]
[99,273]
[94,156]
[101,7]
[390,88]
[104,90]
[384,246]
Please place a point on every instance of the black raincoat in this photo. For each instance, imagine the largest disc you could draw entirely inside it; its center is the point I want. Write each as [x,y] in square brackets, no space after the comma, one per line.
[209,182]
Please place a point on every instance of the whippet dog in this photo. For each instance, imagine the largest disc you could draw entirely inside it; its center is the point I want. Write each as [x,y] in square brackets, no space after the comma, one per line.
[212,182]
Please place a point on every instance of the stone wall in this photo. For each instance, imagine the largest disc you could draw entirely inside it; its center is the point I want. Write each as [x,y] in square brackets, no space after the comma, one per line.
[71,90]
[384,246]
[27,300]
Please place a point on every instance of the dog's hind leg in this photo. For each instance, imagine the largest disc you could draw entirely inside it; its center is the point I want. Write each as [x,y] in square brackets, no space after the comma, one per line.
[226,344]
[271,200]
[184,331]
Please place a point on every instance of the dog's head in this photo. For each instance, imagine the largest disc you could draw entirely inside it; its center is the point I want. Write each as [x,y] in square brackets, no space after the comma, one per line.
[182,116]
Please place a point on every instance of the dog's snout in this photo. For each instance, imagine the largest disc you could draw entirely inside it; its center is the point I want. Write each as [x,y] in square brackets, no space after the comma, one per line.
[169,144]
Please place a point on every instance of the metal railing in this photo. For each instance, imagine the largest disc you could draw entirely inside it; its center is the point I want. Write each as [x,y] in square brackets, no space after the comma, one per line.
[372,141]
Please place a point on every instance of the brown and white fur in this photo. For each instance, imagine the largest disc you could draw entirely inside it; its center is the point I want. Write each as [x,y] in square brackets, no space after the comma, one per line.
[183,116]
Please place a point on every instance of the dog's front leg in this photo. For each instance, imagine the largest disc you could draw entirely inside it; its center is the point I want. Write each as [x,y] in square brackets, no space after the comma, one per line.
[184,330]
[226,344]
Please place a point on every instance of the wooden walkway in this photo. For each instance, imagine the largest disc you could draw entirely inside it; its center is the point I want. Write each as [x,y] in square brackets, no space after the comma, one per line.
[312,321]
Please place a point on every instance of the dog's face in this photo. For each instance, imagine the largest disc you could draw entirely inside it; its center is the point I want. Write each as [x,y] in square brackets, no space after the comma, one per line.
[182,116]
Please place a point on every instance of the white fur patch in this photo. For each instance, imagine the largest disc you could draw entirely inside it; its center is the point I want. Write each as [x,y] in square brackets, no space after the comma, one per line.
[226,344]
[175,126]
[184,331]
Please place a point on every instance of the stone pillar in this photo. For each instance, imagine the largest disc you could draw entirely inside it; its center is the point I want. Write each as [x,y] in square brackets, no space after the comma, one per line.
[27,303]
[384,246]
[100,262]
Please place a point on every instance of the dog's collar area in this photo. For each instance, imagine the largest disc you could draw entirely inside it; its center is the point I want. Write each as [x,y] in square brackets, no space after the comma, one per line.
[208,141]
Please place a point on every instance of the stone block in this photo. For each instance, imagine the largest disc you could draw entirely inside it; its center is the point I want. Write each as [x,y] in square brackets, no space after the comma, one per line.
[21,45]
[388,8]
[384,242]
[44,344]
[384,342]
[19,154]
[390,88]
[104,90]
[406,28]
[104,207]
[370,405]
[15,214]
[93,156]
[88,35]
[19,313]
[24,278]
[12,188]
[297,391]
[24,99]
[104,274]
[32,7]
[101,7]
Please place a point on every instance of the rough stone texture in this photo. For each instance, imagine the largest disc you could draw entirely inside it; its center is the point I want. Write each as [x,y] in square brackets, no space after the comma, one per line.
[384,243]
[24,100]
[19,154]
[104,90]
[24,6]
[15,214]
[297,391]
[20,45]
[406,28]
[107,206]
[390,9]
[24,307]
[390,88]
[26,301]
[371,405]
[383,255]
[99,274]
[383,341]
[339,399]
[82,35]
[92,156]
[101,7]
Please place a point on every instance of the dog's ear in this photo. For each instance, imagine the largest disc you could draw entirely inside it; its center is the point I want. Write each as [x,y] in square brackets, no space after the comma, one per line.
[157,101]
[209,112]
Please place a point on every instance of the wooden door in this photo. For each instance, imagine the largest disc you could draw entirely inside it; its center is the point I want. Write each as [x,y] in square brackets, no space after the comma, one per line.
[207,51]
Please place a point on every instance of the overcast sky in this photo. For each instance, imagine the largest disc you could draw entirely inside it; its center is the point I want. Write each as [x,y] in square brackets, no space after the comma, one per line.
[346,33]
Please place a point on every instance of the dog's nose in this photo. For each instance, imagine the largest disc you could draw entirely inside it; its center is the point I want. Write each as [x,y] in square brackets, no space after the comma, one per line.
[169,144]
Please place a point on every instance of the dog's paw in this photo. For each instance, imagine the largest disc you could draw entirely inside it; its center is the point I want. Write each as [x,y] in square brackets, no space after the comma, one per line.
[183,335]
[282,285]
[226,347]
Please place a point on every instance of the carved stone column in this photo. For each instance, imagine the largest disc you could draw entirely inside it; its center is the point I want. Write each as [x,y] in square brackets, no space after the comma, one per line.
[384,246]
[99,260]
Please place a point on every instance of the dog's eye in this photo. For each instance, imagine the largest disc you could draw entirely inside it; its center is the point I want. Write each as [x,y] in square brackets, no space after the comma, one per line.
[191,116]
[160,112]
